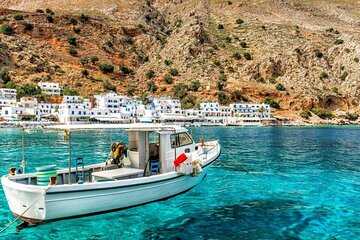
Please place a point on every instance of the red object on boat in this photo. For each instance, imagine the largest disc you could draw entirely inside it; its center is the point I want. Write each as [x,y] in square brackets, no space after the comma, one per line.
[180,159]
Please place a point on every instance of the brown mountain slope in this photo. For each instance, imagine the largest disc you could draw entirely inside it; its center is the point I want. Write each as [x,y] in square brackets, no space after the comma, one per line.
[290,42]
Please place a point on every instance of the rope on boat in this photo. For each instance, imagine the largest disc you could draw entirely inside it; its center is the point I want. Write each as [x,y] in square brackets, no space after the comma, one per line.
[17,218]
[229,154]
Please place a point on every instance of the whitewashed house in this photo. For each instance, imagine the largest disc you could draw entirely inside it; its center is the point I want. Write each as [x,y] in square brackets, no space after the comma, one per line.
[18,112]
[51,89]
[210,109]
[250,110]
[166,106]
[110,101]
[7,97]
[74,110]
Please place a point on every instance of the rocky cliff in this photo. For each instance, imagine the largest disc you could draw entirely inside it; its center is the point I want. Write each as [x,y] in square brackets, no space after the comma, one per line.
[300,54]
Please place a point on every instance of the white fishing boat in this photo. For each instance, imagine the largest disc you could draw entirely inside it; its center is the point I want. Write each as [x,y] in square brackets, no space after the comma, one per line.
[160,161]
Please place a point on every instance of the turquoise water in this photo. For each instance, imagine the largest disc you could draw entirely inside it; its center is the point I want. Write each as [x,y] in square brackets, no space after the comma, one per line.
[269,183]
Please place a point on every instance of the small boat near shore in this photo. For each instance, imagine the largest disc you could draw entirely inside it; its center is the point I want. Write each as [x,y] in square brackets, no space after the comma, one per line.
[158,162]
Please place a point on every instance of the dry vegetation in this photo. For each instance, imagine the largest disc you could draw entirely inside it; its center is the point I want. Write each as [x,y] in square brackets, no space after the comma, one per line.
[302,54]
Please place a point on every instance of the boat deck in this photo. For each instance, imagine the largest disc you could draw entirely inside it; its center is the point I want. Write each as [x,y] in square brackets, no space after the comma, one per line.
[117,173]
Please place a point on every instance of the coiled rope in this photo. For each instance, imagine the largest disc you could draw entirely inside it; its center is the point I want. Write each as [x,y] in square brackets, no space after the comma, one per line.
[17,218]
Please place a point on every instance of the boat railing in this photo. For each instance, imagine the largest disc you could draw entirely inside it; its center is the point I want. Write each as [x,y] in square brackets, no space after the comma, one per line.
[209,151]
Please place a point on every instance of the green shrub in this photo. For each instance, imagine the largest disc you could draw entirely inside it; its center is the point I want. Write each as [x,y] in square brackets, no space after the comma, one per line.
[84,18]
[194,85]
[318,53]
[320,112]
[272,80]
[128,40]
[168,79]
[223,98]
[109,44]
[220,26]
[239,21]
[305,114]
[237,56]
[237,95]
[73,21]
[223,78]
[108,86]
[7,29]
[188,102]
[150,74]
[85,73]
[18,17]
[28,26]
[324,75]
[10,85]
[69,92]
[28,89]
[356,59]
[39,10]
[125,70]
[280,87]
[49,11]
[273,103]
[77,30]
[4,75]
[228,39]
[78,84]
[180,90]
[167,62]
[352,116]
[261,80]
[106,68]
[243,44]
[131,90]
[50,19]
[217,62]
[338,41]
[142,59]
[174,72]
[215,47]
[220,85]
[335,89]
[72,51]
[151,86]
[163,89]
[94,59]
[72,41]
[84,60]
[247,56]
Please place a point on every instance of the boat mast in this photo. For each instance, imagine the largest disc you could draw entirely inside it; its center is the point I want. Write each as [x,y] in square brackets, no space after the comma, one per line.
[23,149]
[69,145]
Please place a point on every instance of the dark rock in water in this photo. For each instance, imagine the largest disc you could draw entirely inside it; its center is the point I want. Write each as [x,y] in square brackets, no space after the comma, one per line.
[257,219]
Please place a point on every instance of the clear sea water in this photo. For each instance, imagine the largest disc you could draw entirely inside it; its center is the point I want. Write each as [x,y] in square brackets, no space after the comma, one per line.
[269,183]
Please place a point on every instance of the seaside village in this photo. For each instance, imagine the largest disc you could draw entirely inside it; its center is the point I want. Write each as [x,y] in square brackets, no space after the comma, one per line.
[114,108]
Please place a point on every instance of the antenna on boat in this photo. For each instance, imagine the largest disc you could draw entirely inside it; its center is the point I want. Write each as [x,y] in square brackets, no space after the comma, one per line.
[69,145]
[23,149]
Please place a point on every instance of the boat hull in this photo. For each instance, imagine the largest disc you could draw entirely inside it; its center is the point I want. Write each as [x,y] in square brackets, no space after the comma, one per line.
[83,199]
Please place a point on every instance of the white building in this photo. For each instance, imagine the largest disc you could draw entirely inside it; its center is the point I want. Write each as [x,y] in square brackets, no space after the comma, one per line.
[210,109]
[7,97]
[16,113]
[74,110]
[51,89]
[166,106]
[250,110]
[110,101]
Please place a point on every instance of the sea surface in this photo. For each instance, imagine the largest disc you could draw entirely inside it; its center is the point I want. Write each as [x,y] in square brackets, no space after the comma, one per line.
[269,183]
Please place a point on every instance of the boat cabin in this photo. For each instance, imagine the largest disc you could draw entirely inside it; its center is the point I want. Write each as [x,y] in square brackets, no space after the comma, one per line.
[150,150]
